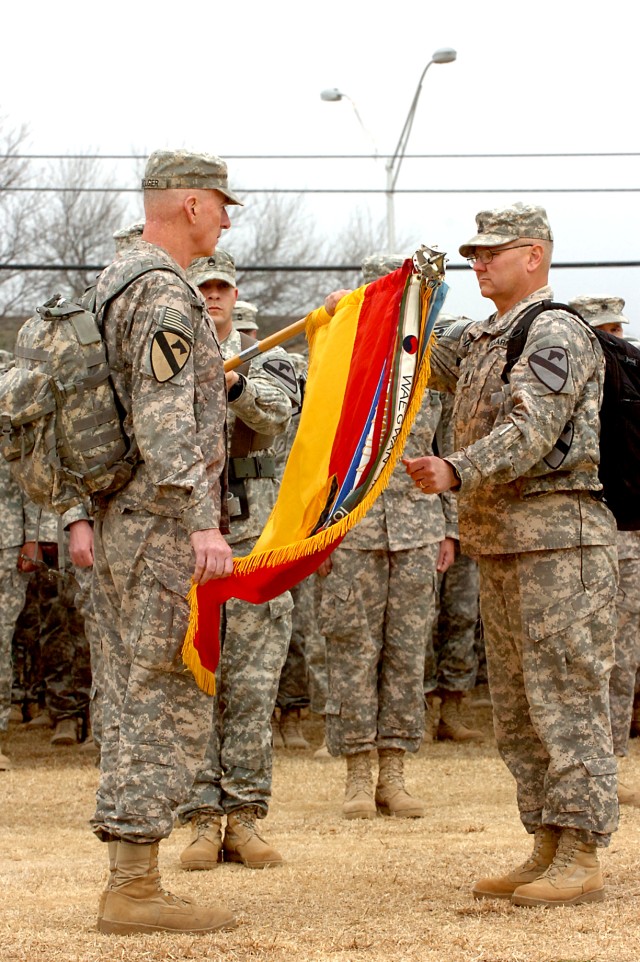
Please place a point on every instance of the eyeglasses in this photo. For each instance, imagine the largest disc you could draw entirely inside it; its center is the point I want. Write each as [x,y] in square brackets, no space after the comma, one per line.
[485,255]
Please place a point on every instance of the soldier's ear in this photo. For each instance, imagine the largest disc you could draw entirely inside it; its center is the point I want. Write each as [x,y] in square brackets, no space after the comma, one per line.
[536,255]
[190,205]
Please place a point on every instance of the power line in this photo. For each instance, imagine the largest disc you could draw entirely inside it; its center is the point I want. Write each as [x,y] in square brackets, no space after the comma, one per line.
[301,268]
[345,190]
[329,156]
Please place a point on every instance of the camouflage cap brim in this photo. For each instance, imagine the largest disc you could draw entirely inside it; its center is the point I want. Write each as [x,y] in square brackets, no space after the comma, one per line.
[199,279]
[486,240]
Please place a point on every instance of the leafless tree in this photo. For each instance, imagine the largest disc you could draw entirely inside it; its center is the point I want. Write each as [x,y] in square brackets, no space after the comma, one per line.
[77,224]
[17,208]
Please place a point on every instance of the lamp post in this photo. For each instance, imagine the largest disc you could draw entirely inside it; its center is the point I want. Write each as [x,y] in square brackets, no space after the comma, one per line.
[392,167]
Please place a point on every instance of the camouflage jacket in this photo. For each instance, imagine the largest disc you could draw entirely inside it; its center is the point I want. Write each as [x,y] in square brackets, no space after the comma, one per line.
[403,517]
[265,407]
[527,451]
[628,545]
[175,409]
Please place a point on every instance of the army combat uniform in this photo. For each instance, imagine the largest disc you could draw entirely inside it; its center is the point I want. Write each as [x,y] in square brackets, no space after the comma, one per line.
[237,772]
[529,511]
[168,375]
[376,610]
[13,586]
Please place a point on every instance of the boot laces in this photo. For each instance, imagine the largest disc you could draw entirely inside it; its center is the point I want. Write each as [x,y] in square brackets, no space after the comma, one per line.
[204,824]
[565,854]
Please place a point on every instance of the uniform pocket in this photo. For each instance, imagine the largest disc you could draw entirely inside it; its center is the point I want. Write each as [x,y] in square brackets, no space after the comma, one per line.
[281,605]
[340,610]
[166,616]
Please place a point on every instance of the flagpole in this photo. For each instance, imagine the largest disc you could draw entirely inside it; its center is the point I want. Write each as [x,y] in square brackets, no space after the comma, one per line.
[265,344]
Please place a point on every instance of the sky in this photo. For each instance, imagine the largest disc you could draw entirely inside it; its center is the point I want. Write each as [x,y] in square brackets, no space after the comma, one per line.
[245,79]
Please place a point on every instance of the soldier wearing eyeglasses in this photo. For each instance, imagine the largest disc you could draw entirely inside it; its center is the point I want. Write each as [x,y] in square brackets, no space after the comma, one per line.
[526,470]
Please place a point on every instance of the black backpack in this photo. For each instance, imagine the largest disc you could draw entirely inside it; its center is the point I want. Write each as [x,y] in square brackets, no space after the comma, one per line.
[619,468]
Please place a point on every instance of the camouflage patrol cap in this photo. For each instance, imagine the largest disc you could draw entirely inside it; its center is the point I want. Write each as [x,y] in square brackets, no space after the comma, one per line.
[379,265]
[127,236]
[244,316]
[168,169]
[219,267]
[599,309]
[506,224]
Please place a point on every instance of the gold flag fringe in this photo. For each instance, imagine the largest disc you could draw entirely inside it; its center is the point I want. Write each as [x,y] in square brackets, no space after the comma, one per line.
[205,679]
[315,542]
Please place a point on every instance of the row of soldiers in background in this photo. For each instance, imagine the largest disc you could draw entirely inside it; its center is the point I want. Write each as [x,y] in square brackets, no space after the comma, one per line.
[317,663]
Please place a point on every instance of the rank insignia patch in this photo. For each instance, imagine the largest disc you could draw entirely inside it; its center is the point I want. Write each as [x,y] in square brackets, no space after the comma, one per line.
[169,354]
[551,366]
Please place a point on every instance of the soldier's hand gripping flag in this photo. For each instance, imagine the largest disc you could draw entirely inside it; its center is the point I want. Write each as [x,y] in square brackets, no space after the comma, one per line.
[368,370]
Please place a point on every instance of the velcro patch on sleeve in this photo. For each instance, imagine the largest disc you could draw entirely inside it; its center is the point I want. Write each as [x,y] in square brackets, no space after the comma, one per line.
[285,373]
[550,365]
[173,320]
[169,354]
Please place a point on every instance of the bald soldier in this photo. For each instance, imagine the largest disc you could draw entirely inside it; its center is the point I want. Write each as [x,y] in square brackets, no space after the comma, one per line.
[156,534]
[525,467]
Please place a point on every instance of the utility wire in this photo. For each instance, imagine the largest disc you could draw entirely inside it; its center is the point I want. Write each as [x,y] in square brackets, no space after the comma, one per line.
[324,156]
[346,190]
[301,268]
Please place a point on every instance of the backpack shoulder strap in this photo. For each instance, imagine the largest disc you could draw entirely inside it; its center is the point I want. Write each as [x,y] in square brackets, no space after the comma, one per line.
[521,326]
[129,278]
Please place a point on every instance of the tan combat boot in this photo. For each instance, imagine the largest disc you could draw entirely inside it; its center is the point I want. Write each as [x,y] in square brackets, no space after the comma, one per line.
[392,798]
[243,844]
[451,725]
[290,729]
[5,761]
[432,716]
[626,795]
[205,848]
[113,851]
[358,792]
[573,877]
[136,902]
[503,886]
[66,732]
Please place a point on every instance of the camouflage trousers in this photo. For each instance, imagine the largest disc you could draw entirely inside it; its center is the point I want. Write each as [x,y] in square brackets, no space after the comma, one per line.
[303,681]
[50,645]
[627,648]
[13,589]
[238,761]
[549,620]
[83,603]
[156,721]
[451,661]
[376,611]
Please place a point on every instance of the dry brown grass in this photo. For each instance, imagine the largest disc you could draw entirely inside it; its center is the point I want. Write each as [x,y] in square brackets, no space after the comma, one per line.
[381,891]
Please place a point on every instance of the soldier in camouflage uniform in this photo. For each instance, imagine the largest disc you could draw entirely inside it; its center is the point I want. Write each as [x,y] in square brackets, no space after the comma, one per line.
[605,312]
[245,320]
[451,661]
[235,780]
[303,681]
[526,471]
[376,611]
[13,580]
[156,534]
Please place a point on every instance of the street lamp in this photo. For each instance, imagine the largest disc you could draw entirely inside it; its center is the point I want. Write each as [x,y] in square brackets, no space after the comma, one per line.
[392,167]
[332,95]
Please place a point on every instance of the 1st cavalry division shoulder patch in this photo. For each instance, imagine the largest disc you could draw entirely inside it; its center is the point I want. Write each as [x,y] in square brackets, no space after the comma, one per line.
[169,354]
[551,366]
